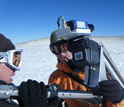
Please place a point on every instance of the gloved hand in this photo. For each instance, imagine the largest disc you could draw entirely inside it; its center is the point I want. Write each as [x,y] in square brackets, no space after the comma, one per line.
[32,94]
[111,90]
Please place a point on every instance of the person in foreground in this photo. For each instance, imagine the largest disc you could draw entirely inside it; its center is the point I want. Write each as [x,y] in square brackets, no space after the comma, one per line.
[111,90]
[31,93]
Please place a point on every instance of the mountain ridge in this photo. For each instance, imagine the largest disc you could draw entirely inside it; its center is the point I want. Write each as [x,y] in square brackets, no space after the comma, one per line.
[92,37]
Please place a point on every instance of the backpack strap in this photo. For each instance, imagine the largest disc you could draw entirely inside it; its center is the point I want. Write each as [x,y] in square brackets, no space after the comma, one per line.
[80,81]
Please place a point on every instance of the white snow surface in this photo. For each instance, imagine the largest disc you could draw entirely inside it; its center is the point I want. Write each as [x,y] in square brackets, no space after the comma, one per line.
[38,62]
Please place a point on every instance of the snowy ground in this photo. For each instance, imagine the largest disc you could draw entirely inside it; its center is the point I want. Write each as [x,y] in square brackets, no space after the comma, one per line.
[39,62]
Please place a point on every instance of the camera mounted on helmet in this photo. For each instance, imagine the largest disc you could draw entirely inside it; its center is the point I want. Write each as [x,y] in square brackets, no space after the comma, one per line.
[69,30]
[73,28]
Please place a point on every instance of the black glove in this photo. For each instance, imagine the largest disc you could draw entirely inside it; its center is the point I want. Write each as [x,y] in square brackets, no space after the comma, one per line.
[111,90]
[32,94]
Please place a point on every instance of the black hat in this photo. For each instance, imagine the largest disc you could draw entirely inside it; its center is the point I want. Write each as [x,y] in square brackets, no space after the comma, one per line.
[5,44]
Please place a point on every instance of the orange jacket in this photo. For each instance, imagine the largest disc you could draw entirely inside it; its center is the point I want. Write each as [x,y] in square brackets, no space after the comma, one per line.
[66,82]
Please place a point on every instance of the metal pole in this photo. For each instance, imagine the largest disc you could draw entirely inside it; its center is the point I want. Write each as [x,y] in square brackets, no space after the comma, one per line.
[69,94]
[7,91]
[110,61]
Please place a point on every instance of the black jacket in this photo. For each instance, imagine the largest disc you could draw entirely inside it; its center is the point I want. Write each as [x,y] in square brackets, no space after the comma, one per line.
[8,102]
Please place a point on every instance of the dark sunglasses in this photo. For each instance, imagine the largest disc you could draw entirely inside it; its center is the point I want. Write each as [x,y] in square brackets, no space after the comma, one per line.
[58,48]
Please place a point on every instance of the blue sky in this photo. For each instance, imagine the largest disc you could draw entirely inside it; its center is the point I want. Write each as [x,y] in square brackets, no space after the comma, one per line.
[25,20]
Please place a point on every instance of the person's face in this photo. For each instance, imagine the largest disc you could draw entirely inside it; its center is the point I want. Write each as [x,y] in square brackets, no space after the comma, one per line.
[6,73]
[62,52]
[64,57]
